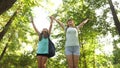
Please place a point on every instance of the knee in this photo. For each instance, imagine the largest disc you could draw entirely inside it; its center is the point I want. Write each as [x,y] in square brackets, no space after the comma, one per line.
[71,66]
[75,66]
[43,65]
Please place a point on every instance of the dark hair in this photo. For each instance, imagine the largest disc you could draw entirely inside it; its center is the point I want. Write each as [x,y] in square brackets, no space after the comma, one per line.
[45,36]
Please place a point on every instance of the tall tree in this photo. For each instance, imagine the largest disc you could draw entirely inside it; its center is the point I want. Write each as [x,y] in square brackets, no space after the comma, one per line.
[116,50]
[116,21]
[5,48]
[3,32]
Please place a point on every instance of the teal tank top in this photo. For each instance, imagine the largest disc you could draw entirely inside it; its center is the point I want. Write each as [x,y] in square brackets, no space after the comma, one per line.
[43,46]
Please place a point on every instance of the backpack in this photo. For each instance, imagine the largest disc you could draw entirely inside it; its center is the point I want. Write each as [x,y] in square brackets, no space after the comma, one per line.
[51,47]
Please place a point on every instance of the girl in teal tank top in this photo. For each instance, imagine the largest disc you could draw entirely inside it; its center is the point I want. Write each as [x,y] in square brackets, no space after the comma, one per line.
[43,46]
[42,49]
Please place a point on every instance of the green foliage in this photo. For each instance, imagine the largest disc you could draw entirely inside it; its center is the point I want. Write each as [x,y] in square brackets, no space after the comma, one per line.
[19,61]
[116,56]
[19,31]
[116,65]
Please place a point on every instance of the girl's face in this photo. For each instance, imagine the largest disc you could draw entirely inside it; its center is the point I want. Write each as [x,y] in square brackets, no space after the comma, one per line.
[45,32]
[70,23]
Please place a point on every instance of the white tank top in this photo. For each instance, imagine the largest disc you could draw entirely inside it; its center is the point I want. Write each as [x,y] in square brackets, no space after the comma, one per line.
[71,37]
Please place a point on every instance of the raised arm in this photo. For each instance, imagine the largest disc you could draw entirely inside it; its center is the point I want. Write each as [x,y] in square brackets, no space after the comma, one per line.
[34,26]
[60,23]
[51,18]
[82,24]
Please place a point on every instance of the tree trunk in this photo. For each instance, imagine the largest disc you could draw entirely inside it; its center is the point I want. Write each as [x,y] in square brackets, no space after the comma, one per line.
[116,21]
[5,5]
[5,48]
[3,52]
[3,32]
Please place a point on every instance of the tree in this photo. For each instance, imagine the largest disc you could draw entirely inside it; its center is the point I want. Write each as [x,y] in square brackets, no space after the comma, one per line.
[117,24]
[116,21]
[5,48]
[6,27]
[5,5]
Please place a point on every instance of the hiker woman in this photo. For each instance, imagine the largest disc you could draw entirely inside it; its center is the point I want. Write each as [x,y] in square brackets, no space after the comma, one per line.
[42,50]
[72,47]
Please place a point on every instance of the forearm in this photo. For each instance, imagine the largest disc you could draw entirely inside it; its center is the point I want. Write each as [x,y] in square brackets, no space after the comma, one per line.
[35,28]
[50,28]
[82,24]
[60,23]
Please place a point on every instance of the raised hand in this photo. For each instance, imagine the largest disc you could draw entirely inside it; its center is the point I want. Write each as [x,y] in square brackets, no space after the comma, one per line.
[50,24]
[86,20]
[51,17]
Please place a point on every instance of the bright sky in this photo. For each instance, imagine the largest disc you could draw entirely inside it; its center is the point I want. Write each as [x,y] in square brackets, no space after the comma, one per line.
[41,15]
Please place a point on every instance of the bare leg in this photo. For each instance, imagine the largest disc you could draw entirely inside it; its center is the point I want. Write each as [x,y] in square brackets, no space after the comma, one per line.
[39,59]
[70,61]
[76,61]
[44,61]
